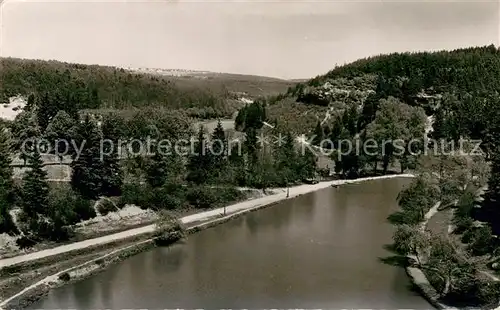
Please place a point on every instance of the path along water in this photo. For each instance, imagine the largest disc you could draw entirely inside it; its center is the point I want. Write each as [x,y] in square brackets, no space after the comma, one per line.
[320,250]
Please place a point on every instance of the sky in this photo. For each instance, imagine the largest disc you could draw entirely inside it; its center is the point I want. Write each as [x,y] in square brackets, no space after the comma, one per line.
[286,39]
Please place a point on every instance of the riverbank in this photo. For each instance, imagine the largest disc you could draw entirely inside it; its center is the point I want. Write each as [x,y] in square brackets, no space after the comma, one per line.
[196,222]
[197,217]
[418,277]
[123,219]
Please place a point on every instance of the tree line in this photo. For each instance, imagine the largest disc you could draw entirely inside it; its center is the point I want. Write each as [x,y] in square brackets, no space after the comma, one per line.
[205,178]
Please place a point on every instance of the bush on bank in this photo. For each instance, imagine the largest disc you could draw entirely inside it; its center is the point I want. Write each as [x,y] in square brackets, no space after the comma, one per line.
[107,205]
[415,201]
[168,229]
[135,194]
[173,196]
[65,208]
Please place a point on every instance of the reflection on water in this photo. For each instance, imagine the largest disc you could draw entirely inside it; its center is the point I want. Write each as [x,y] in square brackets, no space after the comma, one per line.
[316,251]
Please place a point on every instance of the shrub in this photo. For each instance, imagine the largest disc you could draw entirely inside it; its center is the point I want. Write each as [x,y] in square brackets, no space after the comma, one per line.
[230,194]
[68,207]
[168,197]
[54,229]
[83,208]
[26,242]
[462,223]
[7,225]
[65,208]
[64,277]
[162,200]
[106,206]
[202,197]
[168,229]
[99,262]
[489,293]
[481,241]
[136,194]
[468,235]
[470,291]
[465,204]
[176,189]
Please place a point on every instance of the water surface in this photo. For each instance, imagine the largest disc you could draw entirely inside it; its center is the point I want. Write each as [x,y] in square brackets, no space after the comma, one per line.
[319,250]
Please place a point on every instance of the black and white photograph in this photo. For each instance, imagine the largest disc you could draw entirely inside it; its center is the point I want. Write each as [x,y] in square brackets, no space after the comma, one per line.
[249,154]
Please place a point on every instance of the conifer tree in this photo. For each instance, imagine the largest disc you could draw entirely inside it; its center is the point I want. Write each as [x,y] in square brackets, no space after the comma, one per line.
[71,105]
[93,101]
[318,134]
[156,170]
[369,110]
[236,164]
[6,185]
[350,119]
[25,130]
[250,146]
[59,133]
[307,164]
[255,114]
[164,169]
[218,150]
[336,130]
[87,176]
[439,130]
[35,189]
[112,174]
[286,160]
[199,161]
[31,102]
[47,108]
[239,122]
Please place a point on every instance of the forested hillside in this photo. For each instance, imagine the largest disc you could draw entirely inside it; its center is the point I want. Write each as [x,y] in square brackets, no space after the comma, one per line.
[94,87]
[464,82]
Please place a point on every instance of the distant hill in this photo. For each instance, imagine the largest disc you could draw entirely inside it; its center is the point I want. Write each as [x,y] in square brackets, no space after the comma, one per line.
[251,86]
[203,74]
[203,94]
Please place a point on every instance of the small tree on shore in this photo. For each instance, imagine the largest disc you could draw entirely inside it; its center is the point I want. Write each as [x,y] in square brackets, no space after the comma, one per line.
[168,229]
[409,240]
